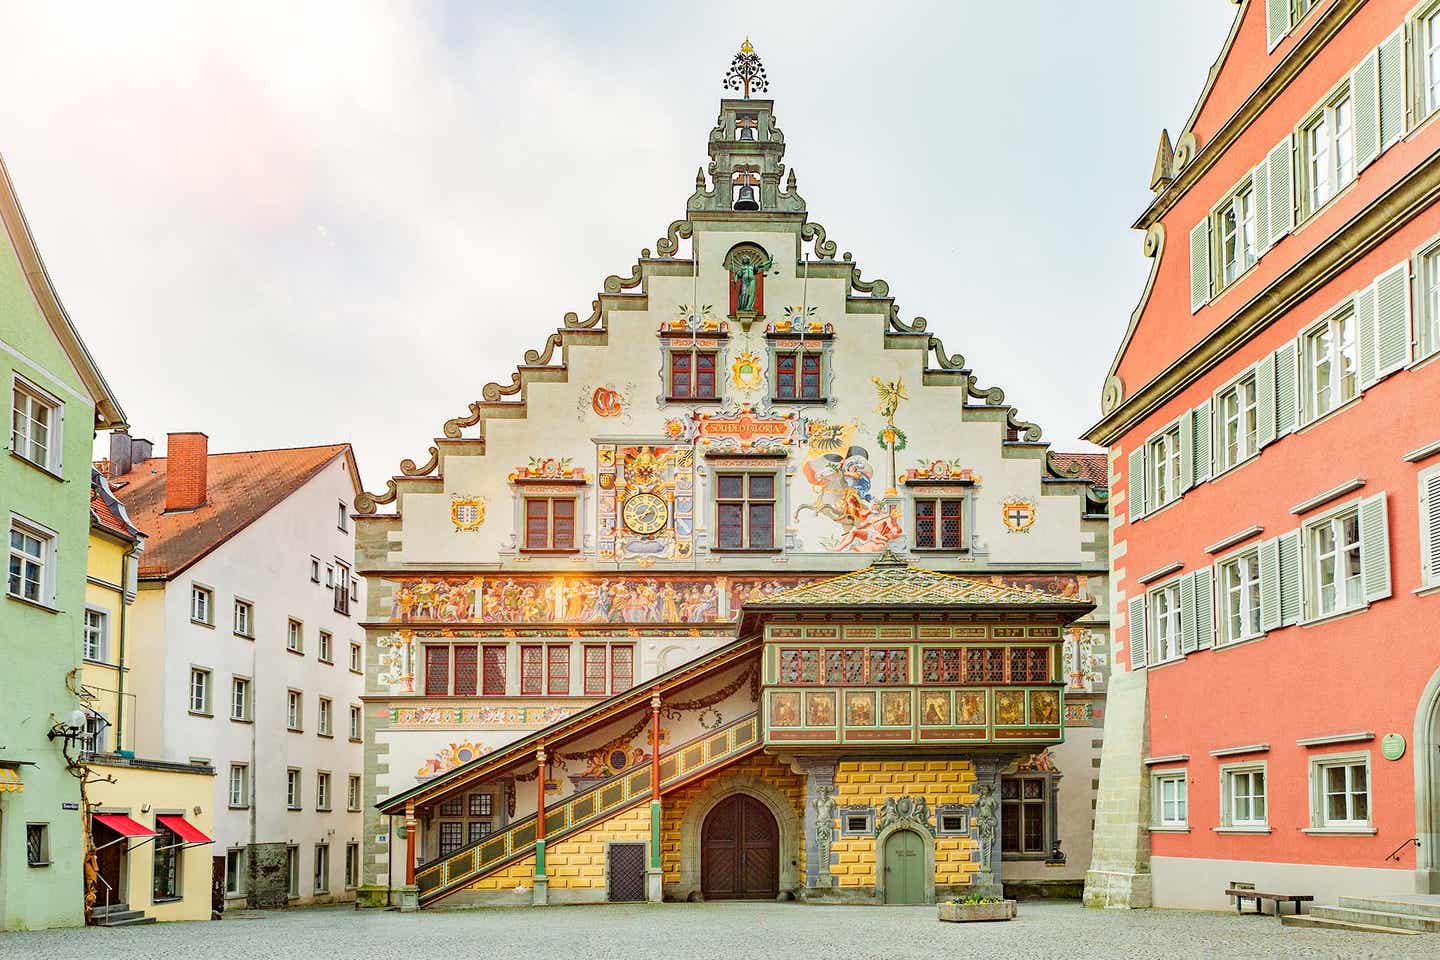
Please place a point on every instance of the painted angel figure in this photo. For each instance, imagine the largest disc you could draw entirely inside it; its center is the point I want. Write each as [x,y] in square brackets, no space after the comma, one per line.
[745,269]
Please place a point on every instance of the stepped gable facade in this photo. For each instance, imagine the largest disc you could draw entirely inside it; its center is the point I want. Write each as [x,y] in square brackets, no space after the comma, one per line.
[613,539]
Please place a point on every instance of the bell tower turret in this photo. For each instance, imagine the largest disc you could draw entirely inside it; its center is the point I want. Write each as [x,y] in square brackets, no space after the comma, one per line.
[746,148]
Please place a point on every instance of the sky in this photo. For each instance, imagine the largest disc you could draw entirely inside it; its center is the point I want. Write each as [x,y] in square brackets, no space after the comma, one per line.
[300,223]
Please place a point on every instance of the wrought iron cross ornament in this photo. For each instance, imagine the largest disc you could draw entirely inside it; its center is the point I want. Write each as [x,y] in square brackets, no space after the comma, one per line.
[746,72]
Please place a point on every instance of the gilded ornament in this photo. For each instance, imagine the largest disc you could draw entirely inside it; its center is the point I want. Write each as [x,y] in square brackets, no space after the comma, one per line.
[746,372]
[467,514]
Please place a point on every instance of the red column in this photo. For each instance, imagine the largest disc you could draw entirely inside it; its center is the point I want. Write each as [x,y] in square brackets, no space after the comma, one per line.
[540,795]
[655,746]
[410,827]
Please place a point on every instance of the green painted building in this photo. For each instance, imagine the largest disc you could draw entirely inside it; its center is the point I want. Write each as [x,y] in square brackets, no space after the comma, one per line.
[58,400]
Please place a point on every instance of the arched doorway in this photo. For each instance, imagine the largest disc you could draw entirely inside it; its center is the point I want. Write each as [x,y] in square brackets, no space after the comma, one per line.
[904,866]
[1426,748]
[740,851]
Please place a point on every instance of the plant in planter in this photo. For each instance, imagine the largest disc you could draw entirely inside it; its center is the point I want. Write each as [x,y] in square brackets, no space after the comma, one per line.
[974,907]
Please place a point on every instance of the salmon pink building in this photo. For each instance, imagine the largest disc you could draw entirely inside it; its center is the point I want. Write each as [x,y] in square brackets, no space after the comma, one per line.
[1271,416]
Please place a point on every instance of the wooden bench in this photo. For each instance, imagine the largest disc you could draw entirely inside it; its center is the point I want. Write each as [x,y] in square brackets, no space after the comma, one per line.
[1243,892]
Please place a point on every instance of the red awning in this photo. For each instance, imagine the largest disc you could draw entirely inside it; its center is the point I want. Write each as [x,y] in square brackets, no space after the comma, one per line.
[183,828]
[123,825]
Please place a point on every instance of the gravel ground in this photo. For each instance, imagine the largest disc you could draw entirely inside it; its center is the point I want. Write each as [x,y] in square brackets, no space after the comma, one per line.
[748,931]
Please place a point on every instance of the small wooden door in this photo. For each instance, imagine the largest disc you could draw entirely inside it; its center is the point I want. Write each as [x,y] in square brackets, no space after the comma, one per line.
[904,868]
[109,864]
[740,851]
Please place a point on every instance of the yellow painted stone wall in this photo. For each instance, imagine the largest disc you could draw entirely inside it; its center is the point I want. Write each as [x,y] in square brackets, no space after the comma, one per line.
[870,782]
[578,861]
[518,874]
[761,766]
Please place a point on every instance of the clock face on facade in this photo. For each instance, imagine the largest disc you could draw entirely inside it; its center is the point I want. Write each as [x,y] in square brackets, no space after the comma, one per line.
[646,514]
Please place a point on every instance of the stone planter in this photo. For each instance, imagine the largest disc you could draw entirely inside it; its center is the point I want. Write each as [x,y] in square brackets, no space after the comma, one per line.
[971,912]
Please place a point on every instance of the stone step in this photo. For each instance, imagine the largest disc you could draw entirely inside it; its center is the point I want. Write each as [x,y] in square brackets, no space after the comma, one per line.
[1379,918]
[1418,905]
[133,919]
[108,909]
[1310,920]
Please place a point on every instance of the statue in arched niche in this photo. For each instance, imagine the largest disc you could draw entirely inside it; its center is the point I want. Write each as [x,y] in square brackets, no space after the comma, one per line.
[747,263]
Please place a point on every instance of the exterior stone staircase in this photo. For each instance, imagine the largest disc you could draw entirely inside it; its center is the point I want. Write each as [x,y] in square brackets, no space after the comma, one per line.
[119,915]
[1407,916]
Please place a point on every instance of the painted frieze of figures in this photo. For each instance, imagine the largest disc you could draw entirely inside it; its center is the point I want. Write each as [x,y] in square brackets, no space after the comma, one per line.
[581,599]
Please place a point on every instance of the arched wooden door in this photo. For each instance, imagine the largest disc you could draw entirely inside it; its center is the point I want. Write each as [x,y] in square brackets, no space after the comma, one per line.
[904,868]
[740,851]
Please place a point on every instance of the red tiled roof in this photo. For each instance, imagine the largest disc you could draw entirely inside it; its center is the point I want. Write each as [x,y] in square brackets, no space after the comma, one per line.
[241,488]
[1092,466]
[106,518]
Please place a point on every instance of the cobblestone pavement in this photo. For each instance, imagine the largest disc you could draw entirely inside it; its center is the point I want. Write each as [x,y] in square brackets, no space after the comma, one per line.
[738,931]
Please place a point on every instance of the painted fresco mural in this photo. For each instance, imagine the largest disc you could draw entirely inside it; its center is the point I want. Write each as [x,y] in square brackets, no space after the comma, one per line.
[841,479]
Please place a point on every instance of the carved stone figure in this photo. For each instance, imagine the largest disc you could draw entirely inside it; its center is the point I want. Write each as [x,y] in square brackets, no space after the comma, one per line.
[910,811]
[824,827]
[985,820]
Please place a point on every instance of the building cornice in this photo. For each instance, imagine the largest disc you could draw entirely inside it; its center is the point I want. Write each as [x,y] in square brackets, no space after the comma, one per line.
[1403,201]
[1310,44]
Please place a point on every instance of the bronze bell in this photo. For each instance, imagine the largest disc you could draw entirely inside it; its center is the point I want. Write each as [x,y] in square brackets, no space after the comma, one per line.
[747,199]
[747,133]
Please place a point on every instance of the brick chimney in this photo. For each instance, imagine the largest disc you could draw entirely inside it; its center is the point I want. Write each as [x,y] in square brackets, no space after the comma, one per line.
[187,456]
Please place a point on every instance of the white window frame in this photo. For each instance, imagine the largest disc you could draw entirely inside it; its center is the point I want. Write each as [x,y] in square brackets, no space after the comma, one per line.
[294,636]
[239,778]
[1234,220]
[1230,775]
[357,658]
[1162,467]
[1164,626]
[1313,558]
[1235,404]
[324,717]
[237,855]
[95,645]
[1178,782]
[314,569]
[1323,168]
[342,518]
[352,865]
[353,791]
[202,604]
[204,690]
[326,653]
[356,723]
[322,868]
[47,541]
[1340,329]
[292,870]
[1246,594]
[244,619]
[293,788]
[240,697]
[1426,42]
[22,442]
[1320,793]
[96,723]
[1426,314]
[294,711]
[322,790]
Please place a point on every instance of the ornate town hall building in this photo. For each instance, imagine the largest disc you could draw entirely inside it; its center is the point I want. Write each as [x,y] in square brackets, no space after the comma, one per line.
[742,587]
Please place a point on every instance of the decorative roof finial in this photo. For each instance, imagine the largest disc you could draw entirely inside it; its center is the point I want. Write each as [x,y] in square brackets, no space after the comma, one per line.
[746,72]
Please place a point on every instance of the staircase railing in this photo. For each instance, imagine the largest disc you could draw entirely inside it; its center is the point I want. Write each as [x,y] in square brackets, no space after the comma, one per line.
[1395,854]
[446,874]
